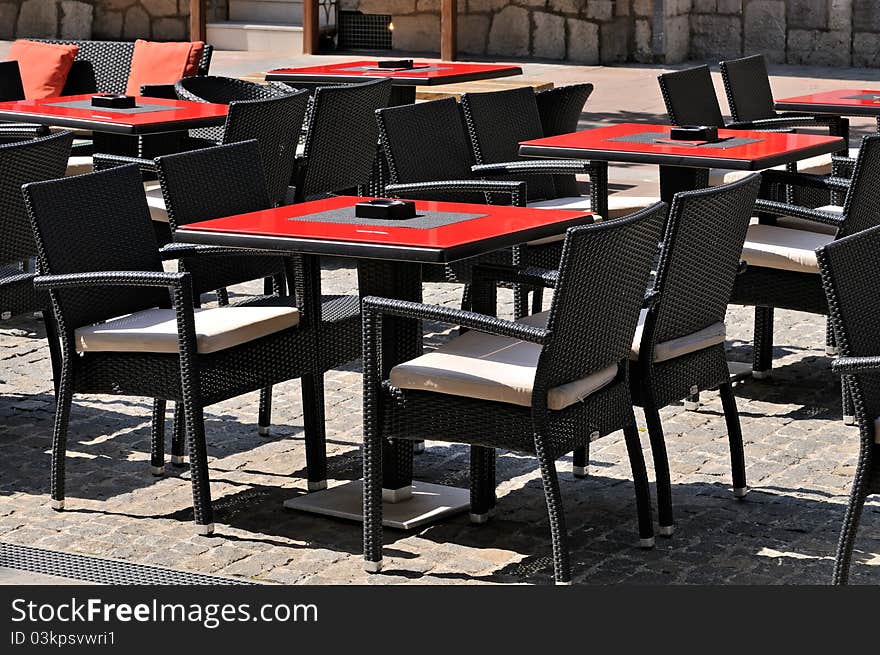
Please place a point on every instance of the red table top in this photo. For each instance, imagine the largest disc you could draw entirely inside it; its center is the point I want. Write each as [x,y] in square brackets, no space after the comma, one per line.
[424,73]
[769,149]
[843,102]
[181,114]
[495,227]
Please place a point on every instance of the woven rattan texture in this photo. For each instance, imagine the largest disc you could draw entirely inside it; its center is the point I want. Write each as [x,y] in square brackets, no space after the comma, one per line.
[748,88]
[340,143]
[690,97]
[560,110]
[862,204]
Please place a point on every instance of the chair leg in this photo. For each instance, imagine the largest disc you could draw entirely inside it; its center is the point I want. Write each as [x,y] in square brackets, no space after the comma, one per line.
[53,339]
[482,483]
[520,301]
[178,436]
[467,297]
[581,462]
[222,297]
[537,300]
[59,438]
[198,468]
[851,518]
[265,415]
[556,513]
[849,412]
[762,351]
[830,342]
[692,402]
[313,418]
[661,470]
[640,480]
[372,463]
[734,436]
[157,438]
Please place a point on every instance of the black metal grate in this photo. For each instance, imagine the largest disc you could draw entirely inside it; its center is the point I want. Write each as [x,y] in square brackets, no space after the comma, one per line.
[100,571]
[364,31]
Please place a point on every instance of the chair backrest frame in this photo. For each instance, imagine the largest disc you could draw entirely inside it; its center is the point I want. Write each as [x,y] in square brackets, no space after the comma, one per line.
[747,86]
[690,98]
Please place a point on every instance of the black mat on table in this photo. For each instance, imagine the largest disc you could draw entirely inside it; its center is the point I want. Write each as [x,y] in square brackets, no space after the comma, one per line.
[654,137]
[864,96]
[421,221]
[376,69]
[88,106]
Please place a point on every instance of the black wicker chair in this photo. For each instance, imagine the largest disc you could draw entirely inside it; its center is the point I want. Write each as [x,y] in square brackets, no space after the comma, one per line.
[782,270]
[11,89]
[164,348]
[236,187]
[275,123]
[565,383]
[679,346]
[560,110]
[850,269]
[340,140]
[33,160]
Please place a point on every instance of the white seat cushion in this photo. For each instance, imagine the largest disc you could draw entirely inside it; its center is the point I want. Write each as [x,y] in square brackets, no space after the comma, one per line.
[783,248]
[708,336]
[877,430]
[488,367]
[812,226]
[156,202]
[155,330]
[617,206]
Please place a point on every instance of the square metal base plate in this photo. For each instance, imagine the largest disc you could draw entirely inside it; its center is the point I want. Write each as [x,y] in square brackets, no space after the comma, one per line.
[429,503]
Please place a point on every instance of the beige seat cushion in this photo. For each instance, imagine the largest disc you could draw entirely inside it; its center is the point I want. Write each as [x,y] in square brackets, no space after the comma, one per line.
[812,226]
[708,336]
[156,202]
[617,206]
[78,165]
[155,330]
[488,367]
[877,430]
[783,248]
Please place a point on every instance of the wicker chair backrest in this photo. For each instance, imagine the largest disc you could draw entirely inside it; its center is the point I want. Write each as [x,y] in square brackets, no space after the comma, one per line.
[223,90]
[700,259]
[747,86]
[690,97]
[340,142]
[861,207]
[850,269]
[103,66]
[603,274]
[95,222]
[560,110]
[496,123]
[10,82]
[276,124]
[427,142]
[26,161]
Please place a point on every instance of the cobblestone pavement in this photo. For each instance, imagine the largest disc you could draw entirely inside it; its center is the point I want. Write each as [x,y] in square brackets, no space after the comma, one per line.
[800,464]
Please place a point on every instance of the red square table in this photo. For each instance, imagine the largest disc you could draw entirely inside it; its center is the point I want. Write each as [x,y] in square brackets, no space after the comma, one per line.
[404,80]
[680,162]
[389,257]
[113,128]
[840,102]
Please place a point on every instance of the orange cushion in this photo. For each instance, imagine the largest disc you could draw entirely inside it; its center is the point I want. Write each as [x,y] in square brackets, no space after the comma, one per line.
[44,66]
[162,63]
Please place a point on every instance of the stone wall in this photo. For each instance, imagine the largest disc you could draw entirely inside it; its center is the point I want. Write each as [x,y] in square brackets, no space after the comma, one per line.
[164,20]
[822,32]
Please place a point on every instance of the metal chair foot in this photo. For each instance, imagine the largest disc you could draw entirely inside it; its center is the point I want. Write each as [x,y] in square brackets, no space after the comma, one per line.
[761,375]
[480,518]
[263,430]
[158,471]
[666,530]
[563,583]
[580,472]
[205,530]
[418,447]
[691,406]
[57,505]
[740,492]
[372,567]
[177,460]
[646,543]
[849,420]
[831,351]
[317,485]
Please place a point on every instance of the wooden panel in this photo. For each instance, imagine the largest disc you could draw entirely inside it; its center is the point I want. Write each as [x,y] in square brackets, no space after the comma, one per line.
[449,30]
[311,30]
[197,29]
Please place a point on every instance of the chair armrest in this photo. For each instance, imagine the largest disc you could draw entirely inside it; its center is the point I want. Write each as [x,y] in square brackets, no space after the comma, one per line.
[102,161]
[158,91]
[373,306]
[783,209]
[111,279]
[22,131]
[186,250]
[790,178]
[516,190]
[531,275]
[847,365]
[536,167]
[651,298]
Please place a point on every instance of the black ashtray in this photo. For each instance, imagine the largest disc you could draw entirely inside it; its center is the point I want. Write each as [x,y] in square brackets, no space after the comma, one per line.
[396,63]
[694,133]
[113,101]
[389,210]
